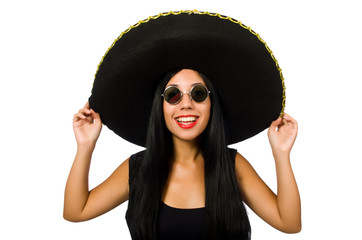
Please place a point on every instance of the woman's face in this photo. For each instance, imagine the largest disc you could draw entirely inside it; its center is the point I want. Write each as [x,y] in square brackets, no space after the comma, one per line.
[187,119]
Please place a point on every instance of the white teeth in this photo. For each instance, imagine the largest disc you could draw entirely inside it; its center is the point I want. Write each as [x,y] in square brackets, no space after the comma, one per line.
[186,119]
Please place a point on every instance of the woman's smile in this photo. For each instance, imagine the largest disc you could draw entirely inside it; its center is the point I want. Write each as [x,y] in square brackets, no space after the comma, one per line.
[187,121]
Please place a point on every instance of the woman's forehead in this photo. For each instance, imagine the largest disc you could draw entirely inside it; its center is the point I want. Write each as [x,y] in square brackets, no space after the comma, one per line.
[186,78]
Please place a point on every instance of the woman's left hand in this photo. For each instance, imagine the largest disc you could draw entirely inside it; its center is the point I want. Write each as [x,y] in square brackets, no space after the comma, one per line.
[282,134]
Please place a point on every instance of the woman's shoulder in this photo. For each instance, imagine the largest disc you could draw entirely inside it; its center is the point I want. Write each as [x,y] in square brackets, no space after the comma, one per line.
[240,161]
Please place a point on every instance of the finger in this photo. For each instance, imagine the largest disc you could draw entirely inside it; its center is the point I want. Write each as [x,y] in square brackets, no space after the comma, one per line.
[86,105]
[288,117]
[85,111]
[284,121]
[79,116]
[291,120]
[84,114]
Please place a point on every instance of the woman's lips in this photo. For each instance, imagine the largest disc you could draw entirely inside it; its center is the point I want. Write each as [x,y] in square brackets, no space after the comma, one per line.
[186,122]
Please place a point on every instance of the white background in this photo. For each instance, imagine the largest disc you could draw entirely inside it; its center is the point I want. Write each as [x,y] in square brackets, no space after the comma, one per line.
[49,53]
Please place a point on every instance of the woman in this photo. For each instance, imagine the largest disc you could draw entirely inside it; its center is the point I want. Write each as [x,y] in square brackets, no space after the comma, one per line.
[186,172]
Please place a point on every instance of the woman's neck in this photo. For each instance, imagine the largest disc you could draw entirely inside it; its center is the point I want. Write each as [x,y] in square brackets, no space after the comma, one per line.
[186,151]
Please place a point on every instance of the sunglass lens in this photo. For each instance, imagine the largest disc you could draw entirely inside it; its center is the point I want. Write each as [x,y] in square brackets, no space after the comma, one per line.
[172,95]
[199,93]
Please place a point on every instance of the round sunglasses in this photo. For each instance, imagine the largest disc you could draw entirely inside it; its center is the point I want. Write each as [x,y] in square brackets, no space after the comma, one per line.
[173,95]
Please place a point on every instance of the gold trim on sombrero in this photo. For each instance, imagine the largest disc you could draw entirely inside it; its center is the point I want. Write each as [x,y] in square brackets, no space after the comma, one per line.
[212,15]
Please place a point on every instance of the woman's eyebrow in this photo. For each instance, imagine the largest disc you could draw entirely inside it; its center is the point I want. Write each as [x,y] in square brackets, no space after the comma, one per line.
[198,83]
[176,85]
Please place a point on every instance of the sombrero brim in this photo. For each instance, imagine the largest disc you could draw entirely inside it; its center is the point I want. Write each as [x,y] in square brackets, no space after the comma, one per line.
[242,68]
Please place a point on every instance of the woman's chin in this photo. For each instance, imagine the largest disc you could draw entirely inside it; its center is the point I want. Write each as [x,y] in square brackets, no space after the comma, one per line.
[192,138]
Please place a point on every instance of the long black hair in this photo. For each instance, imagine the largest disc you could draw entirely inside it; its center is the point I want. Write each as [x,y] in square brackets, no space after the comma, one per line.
[225,214]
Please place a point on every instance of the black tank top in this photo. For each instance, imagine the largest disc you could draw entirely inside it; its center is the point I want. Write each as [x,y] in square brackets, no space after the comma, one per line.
[177,223]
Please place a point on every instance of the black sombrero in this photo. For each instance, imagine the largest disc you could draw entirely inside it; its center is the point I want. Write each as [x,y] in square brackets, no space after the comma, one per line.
[242,68]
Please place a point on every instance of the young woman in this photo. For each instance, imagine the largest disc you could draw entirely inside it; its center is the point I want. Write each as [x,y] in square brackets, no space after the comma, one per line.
[187,183]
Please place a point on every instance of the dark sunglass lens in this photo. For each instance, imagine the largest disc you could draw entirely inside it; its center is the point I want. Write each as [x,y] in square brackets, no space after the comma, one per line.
[172,95]
[199,93]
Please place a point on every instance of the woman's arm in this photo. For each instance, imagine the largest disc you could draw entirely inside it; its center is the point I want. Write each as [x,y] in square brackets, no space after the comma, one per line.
[283,210]
[80,204]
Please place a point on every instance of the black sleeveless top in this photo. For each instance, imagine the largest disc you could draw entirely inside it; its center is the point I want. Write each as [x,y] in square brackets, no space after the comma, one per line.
[174,223]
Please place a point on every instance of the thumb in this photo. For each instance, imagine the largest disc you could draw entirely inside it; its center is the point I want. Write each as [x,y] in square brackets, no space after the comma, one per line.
[275,124]
[96,117]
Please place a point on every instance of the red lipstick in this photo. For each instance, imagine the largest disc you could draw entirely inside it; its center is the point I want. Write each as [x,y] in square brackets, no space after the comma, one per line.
[187,124]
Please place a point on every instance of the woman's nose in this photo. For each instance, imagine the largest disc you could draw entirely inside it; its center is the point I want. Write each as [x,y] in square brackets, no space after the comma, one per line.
[186,101]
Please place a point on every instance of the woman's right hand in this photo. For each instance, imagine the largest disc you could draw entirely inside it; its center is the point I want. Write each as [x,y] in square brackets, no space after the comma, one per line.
[87,126]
